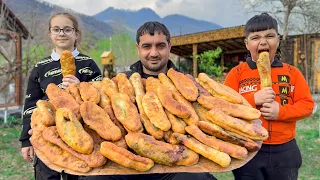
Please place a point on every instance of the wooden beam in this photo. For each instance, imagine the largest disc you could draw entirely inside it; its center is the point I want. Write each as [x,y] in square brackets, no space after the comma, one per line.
[177,51]
[236,51]
[208,47]
[236,44]
[226,45]
[195,60]
[215,35]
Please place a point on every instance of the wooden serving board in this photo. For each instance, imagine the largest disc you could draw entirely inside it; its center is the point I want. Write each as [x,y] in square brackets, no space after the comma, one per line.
[111,168]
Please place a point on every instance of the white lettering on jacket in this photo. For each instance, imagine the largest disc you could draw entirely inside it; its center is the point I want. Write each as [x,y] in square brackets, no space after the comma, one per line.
[249,88]
[86,71]
[53,72]
[29,110]
[98,78]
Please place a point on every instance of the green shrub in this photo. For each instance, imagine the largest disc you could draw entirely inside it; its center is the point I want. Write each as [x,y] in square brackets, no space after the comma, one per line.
[209,63]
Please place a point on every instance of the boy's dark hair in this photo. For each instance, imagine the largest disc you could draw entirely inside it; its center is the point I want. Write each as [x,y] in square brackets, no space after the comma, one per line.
[152,27]
[260,23]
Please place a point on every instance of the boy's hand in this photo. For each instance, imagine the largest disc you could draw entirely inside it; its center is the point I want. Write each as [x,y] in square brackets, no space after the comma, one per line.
[270,111]
[265,95]
[69,79]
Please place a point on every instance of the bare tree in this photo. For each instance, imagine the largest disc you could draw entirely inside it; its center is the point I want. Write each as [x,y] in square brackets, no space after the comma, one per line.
[293,16]
[290,14]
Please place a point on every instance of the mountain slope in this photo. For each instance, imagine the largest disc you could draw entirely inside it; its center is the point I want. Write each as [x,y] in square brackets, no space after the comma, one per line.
[25,10]
[134,19]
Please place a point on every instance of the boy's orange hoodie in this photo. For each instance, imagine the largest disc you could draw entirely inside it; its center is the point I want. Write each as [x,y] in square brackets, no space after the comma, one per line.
[292,94]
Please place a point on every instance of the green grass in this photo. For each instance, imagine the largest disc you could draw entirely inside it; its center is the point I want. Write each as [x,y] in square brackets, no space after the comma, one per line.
[13,167]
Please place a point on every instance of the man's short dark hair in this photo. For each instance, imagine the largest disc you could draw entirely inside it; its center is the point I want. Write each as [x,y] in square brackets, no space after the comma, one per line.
[260,23]
[152,27]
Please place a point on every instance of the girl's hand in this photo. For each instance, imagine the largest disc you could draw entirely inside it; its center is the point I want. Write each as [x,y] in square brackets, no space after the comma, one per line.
[69,79]
[27,153]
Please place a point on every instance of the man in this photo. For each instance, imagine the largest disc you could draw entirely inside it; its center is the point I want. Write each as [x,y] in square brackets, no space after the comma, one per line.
[153,46]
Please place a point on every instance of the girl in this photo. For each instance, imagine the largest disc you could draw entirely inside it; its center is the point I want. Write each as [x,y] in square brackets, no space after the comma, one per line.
[65,34]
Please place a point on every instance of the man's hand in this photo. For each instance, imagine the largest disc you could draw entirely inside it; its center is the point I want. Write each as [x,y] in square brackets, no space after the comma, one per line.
[265,95]
[69,79]
[27,153]
[30,132]
[270,111]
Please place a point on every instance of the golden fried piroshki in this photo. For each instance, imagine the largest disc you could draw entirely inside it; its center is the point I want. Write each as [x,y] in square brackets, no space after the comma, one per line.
[233,150]
[121,143]
[89,93]
[58,156]
[184,85]
[244,141]
[217,131]
[54,153]
[45,112]
[137,84]
[125,86]
[62,99]
[73,89]
[264,69]
[193,119]
[155,112]
[252,131]
[97,119]
[98,140]
[125,157]
[126,112]
[169,138]
[214,155]
[150,128]
[213,129]
[170,104]
[236,110]
[72,132]
[234,92]
[109,87]
[68,66]
[177,124]
[105,104]
[218,90]
[152,84]
[94,159]
[161,152]
[200,110]
[105,101]
[201,90]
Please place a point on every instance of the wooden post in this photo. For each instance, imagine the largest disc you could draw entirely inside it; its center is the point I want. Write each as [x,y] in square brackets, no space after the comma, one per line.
[195,60]
[222,60]
[18,63]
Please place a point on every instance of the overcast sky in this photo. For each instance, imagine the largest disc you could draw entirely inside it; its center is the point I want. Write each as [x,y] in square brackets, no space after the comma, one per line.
[223,12]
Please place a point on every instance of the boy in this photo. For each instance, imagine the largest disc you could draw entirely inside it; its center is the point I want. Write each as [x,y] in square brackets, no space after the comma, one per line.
[287,101]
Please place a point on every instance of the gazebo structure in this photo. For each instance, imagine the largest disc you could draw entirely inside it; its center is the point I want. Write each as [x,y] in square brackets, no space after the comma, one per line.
[231,40]
[11,29]
[302,50]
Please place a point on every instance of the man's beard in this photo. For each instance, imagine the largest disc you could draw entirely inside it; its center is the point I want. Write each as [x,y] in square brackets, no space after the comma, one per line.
[155,68]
